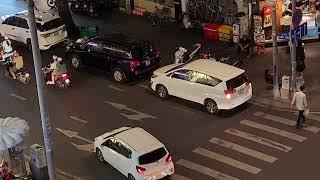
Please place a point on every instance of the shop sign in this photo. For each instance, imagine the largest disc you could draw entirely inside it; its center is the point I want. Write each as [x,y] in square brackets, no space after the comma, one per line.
[267,21]
[283,35]
[299,32]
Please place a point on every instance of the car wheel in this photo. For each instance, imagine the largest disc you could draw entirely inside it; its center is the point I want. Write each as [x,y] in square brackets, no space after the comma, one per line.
[75,61]
[130,177]
[211,106]
[29,44]
[118,75]
[162,91]
[99,155]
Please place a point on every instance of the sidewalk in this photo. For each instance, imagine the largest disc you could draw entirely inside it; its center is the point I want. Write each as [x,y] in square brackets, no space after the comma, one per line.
[264,97]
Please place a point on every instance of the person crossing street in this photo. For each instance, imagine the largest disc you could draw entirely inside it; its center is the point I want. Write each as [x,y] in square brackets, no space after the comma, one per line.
[300,100]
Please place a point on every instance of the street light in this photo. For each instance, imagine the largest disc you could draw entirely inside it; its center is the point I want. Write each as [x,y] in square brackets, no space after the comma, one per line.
[46,126]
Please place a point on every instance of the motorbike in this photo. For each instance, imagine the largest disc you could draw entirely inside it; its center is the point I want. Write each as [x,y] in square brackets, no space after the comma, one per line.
[15,65]
[187,55]
[62,80]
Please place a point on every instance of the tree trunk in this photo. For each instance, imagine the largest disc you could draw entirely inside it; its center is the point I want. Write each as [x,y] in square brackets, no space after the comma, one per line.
[65,14]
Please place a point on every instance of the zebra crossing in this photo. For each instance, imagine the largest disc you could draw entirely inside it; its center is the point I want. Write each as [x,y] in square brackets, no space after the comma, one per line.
[284,138]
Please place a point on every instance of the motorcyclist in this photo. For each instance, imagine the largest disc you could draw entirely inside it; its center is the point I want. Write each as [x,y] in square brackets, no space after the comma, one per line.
[7,53]
[53,69]
[179,54]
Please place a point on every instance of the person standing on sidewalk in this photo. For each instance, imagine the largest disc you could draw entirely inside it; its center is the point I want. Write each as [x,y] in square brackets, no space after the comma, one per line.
[300,55]
[300,100]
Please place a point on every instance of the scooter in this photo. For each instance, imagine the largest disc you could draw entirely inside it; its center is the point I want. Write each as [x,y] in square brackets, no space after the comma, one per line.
[183,55]
[61,81]
[16,66]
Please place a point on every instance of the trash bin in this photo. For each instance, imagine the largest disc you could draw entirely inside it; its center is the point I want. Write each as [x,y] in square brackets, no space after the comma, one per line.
[38,164]
[88,31]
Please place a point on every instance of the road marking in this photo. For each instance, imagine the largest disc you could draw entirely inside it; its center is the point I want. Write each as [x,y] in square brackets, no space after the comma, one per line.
[273,130]
[144,86]
[285,121]
[244,150]
[227,160]
[205,170]
[19,97]
[59,171]
[116,88]
[311,116]
[139,116]
[79,119]
[270,107]
[72,134]
[176,176]
[84,147]
[259,140]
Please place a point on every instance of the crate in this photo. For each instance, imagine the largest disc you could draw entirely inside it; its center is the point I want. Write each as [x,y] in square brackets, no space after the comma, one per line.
[225,33]
[88,31]
[210,31]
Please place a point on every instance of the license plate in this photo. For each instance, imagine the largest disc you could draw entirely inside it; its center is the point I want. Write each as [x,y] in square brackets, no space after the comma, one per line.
[56,33]
[148,63]
[67,81]
[241,91]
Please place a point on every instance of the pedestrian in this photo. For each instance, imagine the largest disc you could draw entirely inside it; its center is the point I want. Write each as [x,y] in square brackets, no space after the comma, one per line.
[300,100]
[156,16]
[300,57]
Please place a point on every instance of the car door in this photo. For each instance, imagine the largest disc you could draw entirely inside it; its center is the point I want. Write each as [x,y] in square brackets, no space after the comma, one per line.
[125,159]
[22,30]
[202,86]
[110,153]
[9,28]
[95,56]
[177,83]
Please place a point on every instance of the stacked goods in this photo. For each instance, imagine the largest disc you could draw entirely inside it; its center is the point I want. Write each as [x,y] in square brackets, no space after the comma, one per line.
[225,33]
[211,31]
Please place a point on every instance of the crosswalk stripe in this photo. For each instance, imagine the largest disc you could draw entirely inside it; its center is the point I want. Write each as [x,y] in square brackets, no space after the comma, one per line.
[259,140]
[312,116]
[227,160]
[285,121]
[244,150]
[273,130]
[176,176]
[205,170]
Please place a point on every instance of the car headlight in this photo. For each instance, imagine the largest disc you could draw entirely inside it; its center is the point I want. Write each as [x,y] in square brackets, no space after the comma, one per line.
[154,76]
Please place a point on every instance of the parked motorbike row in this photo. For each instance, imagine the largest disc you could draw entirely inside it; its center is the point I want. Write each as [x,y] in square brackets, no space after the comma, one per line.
[89,7]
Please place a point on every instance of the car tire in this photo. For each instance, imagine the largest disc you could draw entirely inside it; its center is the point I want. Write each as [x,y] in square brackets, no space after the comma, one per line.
[130,177]
[211,106]
[162,91]
[75,61]
[29,44]
[99,155]
[118,75]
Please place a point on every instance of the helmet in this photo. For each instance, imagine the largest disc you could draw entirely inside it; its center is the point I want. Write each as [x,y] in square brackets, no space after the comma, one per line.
[182,49]
[54,57]
[59,59]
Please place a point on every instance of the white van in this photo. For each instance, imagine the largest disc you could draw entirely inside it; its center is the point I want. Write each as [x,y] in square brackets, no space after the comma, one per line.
[213,84]
[50,28]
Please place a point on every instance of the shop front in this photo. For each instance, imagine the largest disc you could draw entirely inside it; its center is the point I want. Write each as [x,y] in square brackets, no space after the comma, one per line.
[307,9]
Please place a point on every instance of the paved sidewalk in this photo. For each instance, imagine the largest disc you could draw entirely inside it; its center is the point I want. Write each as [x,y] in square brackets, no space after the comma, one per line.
[264,97]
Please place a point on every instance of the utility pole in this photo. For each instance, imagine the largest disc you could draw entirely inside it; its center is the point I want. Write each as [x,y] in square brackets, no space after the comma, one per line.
[293,51]
[276,91]
[46,126]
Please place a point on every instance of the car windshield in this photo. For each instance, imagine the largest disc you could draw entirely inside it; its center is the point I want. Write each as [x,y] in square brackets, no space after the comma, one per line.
[177,67]
[153,156]
[237,81]
[50,25]
[142,51]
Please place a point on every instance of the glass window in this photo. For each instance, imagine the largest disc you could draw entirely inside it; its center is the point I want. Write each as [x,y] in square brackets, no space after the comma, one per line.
[204,79]
[22,23]
[237,81]
[94,46]
[152,156]
[213,81]
[125,151]
[50,25]
[10,21]
[181,74]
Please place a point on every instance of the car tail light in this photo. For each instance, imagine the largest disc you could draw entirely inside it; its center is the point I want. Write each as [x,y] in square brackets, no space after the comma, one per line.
[140,170]
[134,63]
[228,93]
[45,35]
[64,75]
[169,158]
[158,54]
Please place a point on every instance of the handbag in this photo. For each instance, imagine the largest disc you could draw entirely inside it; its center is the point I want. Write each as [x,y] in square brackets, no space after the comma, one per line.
[306,113]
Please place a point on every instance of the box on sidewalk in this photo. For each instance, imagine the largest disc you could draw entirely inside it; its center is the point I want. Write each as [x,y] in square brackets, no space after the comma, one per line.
[285,82]
[38,164]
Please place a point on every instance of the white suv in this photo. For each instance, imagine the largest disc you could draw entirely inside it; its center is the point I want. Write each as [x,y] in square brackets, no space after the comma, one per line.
[135,153]
[213,84]
[50,28]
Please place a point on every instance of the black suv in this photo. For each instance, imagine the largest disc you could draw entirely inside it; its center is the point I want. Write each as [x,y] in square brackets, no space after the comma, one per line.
[125,58]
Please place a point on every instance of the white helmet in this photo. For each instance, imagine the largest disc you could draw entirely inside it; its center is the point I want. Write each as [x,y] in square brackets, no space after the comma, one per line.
[54,57]
[59,59]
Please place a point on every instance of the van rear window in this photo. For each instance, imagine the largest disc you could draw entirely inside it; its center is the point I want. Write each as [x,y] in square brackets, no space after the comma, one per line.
[50,25]
[237,81]
[153,156]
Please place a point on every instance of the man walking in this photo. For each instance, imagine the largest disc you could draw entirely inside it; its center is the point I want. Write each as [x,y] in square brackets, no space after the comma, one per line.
[300,100]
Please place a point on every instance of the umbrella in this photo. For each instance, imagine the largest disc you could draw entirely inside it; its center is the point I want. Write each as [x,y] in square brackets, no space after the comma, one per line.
[12,131]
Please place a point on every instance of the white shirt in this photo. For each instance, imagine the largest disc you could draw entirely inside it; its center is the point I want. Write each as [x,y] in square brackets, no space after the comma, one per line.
[300,99]
[6,45]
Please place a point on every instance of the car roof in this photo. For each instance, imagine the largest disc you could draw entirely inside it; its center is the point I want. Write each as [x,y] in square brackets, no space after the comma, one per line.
[119,40]
[139,140]
[216,69]
[41,17]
